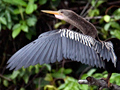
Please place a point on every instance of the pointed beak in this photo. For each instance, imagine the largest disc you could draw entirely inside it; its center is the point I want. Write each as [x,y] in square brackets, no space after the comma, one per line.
[51,12]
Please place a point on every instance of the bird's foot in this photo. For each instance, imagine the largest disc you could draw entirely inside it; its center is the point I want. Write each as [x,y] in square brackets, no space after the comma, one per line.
[107,81]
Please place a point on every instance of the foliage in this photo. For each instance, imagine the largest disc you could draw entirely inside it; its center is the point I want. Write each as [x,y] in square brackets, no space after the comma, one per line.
[23,18]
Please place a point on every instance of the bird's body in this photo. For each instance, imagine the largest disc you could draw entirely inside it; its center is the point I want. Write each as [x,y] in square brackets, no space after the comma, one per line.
[63,43]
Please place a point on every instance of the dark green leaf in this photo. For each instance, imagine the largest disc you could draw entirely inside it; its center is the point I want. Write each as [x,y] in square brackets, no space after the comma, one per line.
[9,25]
[26,78]
[14,74]
[8,16]
[58,75]
[16,2]
[5,83]
[41,2]
[31,21]
[17,11]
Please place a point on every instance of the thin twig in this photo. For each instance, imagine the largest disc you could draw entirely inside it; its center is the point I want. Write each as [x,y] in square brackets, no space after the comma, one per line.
[5,77]
[90,8]
[86,6]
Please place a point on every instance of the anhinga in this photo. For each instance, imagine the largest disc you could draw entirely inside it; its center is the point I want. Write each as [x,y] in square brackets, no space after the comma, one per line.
[55,45]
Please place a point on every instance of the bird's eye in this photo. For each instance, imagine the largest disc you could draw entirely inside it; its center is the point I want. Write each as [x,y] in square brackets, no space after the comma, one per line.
[61,12]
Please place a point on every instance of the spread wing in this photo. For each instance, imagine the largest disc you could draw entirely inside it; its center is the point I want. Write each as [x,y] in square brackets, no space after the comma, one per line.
[53,45]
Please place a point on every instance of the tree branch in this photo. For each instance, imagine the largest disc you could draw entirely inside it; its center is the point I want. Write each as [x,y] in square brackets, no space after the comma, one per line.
[98,82]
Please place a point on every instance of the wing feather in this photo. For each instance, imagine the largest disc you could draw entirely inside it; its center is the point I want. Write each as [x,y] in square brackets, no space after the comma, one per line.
[58,44]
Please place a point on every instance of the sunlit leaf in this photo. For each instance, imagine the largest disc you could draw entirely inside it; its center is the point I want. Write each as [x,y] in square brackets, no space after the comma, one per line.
[106,18]
[48,77]
[67,71]
[16,32]
[50,87]
[24,28]
[30,8]
[91,72]
[107,26]
[3,20]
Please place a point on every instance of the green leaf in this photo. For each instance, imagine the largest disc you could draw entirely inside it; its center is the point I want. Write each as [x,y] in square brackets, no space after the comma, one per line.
[7,13]
[116,33]
[115,25]
[5,83]
[58,75]
[91,72]
[22,88]
[106,18]
[47,66]
[16,2]
[107,26]
[29,9]
[48,77]
[9,25]
[36,68]
[24,28]
[35,6]
[16,26]
[16,30]
[50,87]
[3,20]
[41,2]
[17,11]
[26,78]
[14,74]
[31,21]
[67,71]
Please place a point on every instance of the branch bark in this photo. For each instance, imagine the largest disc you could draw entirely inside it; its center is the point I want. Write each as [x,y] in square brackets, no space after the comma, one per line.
[98,82]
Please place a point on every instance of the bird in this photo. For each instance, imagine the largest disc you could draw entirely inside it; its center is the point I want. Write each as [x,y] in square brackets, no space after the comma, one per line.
[84,47]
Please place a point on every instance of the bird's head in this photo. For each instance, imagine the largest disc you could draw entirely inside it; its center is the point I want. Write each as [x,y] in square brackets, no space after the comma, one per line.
[61,14]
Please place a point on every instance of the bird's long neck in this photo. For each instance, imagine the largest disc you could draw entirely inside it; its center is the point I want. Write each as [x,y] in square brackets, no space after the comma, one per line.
[83,25]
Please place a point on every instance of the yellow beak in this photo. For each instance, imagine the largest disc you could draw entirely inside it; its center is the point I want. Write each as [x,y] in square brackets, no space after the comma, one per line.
[51,12]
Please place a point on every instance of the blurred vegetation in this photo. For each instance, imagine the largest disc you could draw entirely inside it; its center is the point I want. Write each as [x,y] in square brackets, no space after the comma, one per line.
[21,21]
